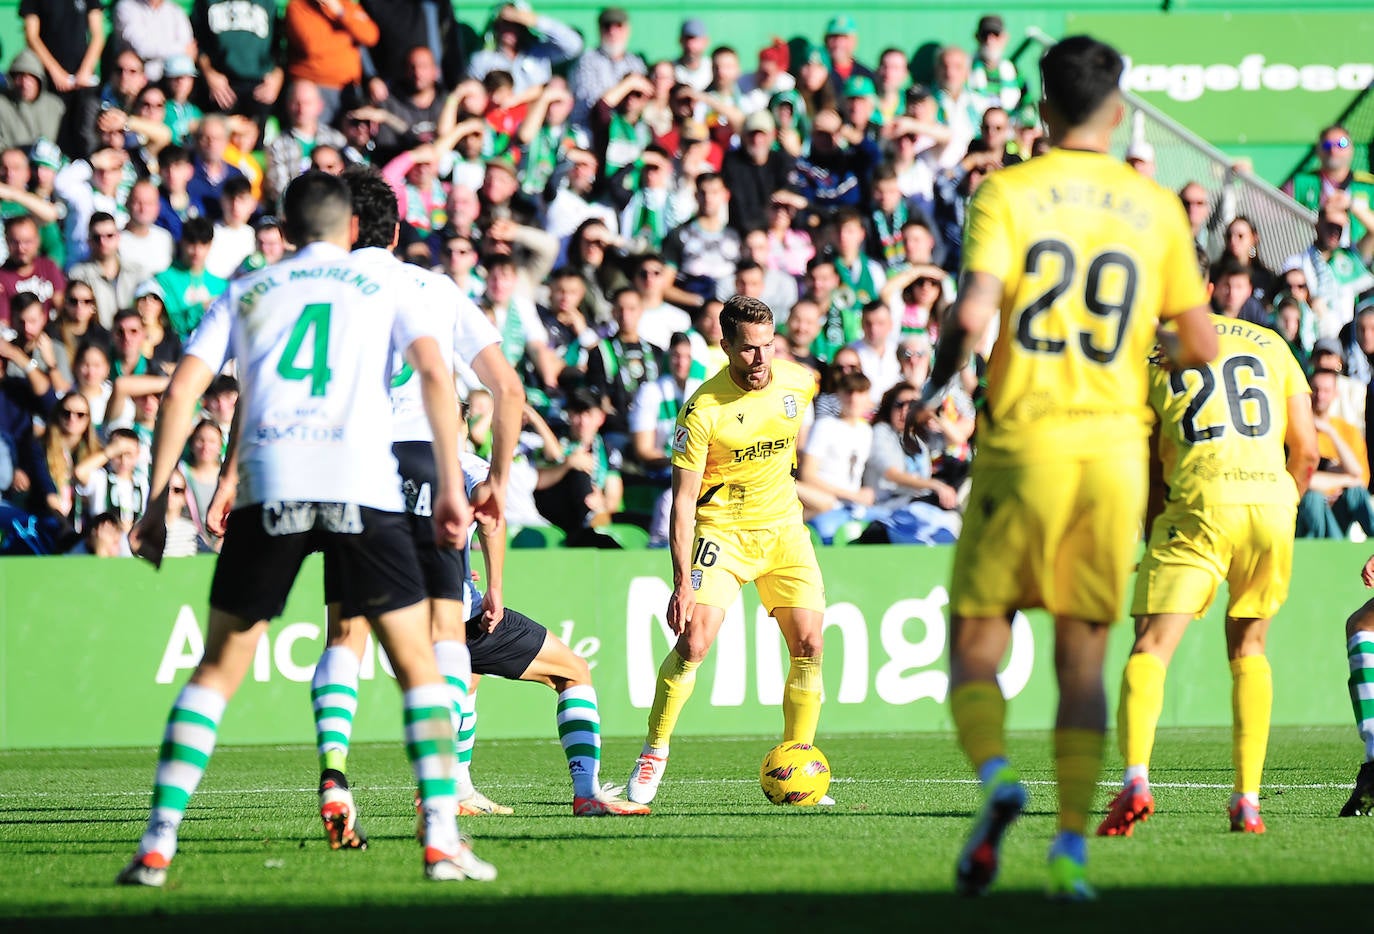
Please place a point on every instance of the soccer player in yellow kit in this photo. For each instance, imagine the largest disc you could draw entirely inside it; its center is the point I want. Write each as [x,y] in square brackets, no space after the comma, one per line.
[1082,258]
[736,518]
[1232,499]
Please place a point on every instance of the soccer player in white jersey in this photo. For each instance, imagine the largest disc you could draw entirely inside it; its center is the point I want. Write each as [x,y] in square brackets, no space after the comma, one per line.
[312,337]
[478,344]
[507,643]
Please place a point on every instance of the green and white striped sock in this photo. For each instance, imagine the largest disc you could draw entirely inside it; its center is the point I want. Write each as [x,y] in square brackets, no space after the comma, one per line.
[334,696]
[187,745]
[455,664]
[467,738]
[579,730]
[1360,651]
[429,746]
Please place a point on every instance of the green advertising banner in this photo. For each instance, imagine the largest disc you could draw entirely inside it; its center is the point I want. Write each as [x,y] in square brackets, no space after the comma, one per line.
[1242,77]
[92,652]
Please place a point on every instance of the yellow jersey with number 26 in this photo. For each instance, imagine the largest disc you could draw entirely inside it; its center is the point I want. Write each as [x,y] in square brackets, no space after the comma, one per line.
[1222,425]
[1092,255]
[744,443]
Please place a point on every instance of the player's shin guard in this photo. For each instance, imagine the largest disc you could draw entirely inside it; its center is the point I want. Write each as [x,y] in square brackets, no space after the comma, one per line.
[579,730]
[677,678]
[801,700]
[1252,700]
[334,696]
[187,745]
[979,711]
[1138,711]
[1078,763]
[430,748]
[1360,653]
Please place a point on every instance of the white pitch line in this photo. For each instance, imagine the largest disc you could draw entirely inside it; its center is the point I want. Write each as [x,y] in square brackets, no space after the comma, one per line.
[525,786]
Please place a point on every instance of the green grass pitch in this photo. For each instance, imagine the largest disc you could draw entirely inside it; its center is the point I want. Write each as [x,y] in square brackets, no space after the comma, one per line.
[714,857]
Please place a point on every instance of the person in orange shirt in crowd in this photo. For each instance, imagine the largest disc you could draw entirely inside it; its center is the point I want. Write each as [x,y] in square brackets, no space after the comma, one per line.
[322,42]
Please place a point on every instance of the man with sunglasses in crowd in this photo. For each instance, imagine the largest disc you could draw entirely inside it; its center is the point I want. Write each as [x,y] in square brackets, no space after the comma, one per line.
[1335,172]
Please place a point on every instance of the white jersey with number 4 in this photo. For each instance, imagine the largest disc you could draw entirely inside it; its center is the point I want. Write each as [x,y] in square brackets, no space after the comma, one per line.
[313,337]
[471,334]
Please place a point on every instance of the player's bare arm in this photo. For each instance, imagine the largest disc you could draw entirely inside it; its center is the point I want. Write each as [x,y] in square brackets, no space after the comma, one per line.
[1157,491]
[1300,439]
[174,419]
[508,398]
[227,486]
[681,524]
[1194,340]
[491,532]
[979,301]
[452,514]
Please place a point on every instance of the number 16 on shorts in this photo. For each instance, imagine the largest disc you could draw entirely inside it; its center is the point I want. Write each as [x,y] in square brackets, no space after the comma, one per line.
[704,555]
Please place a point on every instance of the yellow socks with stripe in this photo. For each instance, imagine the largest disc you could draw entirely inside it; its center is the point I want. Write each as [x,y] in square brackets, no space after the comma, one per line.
[1078,763]
[980,712]
[677,678]
[187,745]
[334,697]
[1252,702]
[1138,711]
[801,700]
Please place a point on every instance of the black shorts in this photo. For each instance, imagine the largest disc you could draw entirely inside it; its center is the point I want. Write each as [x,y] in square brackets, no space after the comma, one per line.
[509,650]
[444,569]
[264,545]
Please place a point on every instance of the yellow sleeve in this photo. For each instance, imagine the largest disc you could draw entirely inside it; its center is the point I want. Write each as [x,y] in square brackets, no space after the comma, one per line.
[692,437]
[1294,379]
[1159,389]
[987,232]
[1181,286]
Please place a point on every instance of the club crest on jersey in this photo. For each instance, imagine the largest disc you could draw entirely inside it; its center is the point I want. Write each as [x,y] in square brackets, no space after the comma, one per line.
[680,439]
[696,578]
[789,405]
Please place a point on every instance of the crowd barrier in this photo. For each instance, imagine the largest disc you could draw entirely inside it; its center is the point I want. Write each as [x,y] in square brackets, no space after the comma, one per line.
[93,651]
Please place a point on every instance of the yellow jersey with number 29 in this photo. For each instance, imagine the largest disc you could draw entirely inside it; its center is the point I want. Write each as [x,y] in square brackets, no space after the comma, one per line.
[1222,425]
[744,443]
[1092,256]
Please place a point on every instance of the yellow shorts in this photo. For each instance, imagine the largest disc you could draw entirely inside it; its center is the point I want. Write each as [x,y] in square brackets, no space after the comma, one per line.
[1060,535]
[1192,551]
[781,562]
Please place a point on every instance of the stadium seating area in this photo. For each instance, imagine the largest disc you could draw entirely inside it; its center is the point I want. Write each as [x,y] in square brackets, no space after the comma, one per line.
[597,205]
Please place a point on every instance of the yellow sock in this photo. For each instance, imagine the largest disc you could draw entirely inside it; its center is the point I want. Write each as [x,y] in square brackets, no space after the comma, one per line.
[676,679]
[979,711]
[1138,711]
[1252,701]
[1078,762]
[801,700]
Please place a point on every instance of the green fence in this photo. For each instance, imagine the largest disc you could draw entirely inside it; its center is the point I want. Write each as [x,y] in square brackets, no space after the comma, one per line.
[92,652]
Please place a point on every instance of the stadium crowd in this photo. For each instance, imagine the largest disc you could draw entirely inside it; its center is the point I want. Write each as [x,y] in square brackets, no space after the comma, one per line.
[598,208]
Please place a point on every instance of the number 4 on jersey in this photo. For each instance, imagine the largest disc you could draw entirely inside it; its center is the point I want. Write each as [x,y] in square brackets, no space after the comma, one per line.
[313,317]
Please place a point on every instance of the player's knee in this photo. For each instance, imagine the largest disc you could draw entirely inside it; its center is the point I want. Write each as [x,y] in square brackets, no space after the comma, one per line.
[579,672]
[693,646]
[808,645]
[1362,620]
